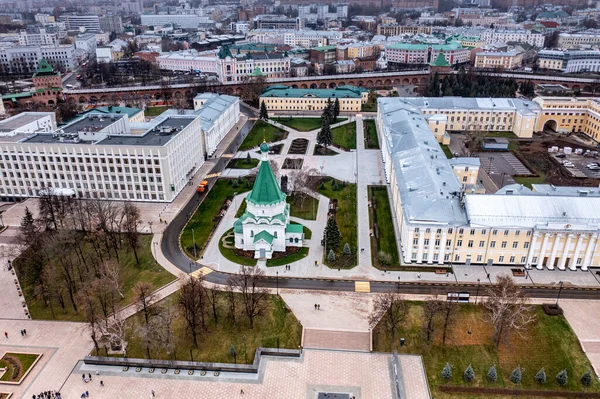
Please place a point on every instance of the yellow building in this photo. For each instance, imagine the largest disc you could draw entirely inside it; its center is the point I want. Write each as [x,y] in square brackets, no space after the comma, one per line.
[499,59]
[441,223]
[471,41]
[284,98]
[569,114]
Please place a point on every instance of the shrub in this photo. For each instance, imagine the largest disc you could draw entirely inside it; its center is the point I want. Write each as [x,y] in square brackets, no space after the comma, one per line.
[540,377]
[469,374]
[384,258]
[447,372]
[331,256]
[562,378]
[516,376]
[586,378]
[492,375]
[347,249]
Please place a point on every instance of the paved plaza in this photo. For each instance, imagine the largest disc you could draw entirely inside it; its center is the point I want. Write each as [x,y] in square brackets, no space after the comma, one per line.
[584,318]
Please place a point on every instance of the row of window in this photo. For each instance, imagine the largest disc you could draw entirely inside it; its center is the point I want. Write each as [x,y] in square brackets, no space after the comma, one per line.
[512,259]
[471,232]
[470,243]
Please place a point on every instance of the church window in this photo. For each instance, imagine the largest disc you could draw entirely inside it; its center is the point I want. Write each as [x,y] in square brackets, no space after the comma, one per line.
[251,233]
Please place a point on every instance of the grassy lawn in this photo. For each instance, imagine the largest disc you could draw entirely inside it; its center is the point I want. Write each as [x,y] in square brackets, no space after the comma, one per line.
[529,181]
[242,163]
[25,360]
[262,131]
[131,273]
[203,221]
[155,111]
[508,135]
[344,136]
[346,218]
[381,213]
[447,151]
[371,134]
[304,210]
[304,124]
[276,325]
[548,343]
[230,254]
[241,209]
[371,104]
[302,253]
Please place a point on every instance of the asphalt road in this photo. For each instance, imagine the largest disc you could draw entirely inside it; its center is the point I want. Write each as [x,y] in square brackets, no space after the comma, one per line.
[173,252]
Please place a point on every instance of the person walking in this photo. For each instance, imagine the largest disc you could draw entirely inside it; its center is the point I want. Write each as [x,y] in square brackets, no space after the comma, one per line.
[241,391]
[101,383]
[153,394]
[25,332]
[6,334]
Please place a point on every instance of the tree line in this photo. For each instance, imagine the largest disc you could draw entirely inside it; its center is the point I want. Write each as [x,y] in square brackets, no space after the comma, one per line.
[466,84]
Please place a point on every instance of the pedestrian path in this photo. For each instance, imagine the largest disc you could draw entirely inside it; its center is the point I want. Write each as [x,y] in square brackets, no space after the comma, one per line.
[336,339]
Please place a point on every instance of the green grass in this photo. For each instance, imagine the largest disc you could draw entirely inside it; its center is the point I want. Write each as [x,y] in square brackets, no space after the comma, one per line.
[26,360]
[203,221]
[508,135]
[344,136]
[230,254]
[372,141]
[346,218]
[277,324]
[241,209]
[155,111]
[241,163]
[447,151]
[131,273]
[382,215]
[371,104]
[304,124]
[306,210]
[548,343]
[528,181]
[262,131]
[302,253]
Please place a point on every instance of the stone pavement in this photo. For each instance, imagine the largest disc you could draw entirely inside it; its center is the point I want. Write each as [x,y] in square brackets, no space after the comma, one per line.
[12,305]
[584,318]
[364,375]
[336,339]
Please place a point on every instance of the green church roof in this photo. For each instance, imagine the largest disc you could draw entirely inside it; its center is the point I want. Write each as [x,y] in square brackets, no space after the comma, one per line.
[256,72]
[266,190]
[440,61]
[129,111]
[44,68]
[294,228]
[264,235]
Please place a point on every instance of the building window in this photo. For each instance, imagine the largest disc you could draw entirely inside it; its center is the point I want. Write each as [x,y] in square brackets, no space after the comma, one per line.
[459,243]
[426,241]
[472,231]
[579,260]
[494,232]
[481,244]
[425,256]
[415,241]
[493,244]
[534,259]
[461,231]
[504,244]
[437,242]
[501,259]
[449,231]
[526,245]
[414,256]
[515,244]
[416,229]
[470,244]
[505,232]
[512,259]
[523,259]
[446,257]
[479,258]
[448,243]
[456,257]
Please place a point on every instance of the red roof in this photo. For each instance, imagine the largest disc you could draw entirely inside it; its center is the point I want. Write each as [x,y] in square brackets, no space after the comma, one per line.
[550,24]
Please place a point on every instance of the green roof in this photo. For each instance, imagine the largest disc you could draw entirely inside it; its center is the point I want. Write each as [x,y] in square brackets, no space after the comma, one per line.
[264,235]
[339,92]
[259,47]
[129,111]
[44,68]
[17,95]
[294,228]
[256,72]
[452,45]
[266,191]
[238,226]
[224,52]
[440,61]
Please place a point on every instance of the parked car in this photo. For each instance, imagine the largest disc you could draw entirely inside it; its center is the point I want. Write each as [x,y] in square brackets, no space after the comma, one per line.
[568,164]
[561,156]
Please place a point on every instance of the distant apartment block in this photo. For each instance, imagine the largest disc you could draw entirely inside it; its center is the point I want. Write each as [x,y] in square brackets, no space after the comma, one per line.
[425,53]
[397,30]
[89,23]
[504,36]
[570,61]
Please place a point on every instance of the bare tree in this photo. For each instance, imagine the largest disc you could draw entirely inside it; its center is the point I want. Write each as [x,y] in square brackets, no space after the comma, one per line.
[230,289]
[162,328]
[449,311]
[507,308]
[214,297]
[113,332]
[92,316]
[299,182]
[193,305]
[431,308]
[145,298]
[131,221]
[111,270]
[253,297]
[391,309]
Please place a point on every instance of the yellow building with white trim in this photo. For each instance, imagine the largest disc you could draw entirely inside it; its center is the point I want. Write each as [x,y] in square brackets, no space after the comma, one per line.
[284,98]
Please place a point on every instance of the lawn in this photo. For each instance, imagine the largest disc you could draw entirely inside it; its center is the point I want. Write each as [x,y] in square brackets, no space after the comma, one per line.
[306,209]
[205,219]
[304,124]
[548,343]
[372,142]
[384,248]
[262,131]
[346,218]
[528,181]
[276,327]
[241,209]
[371,104]
[131,273]
[25,361]
[302,253]
[230,254]
[155,111]
[447,151]
[242,163]
[344,136]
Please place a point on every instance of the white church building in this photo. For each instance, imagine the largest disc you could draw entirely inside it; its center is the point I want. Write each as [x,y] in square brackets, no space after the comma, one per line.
[265,226]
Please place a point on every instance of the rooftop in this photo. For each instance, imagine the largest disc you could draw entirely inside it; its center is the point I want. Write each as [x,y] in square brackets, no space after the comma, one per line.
[523,106]
[266,190]
[451,45]
[129,111]
[338,92]
[158,136]
[14,123]
[214,106]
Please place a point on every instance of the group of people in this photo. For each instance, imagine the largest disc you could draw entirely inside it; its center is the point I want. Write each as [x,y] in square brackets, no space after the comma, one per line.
[47,395]
[317,306]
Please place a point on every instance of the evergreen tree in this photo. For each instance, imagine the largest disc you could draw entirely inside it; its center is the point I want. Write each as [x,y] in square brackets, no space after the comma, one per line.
[264,115]
[336,109]
[447,372]
[492,375]
[329,108]
[28,230]
[327,114]
[562,378]
[347,249]
[516,376]
[324,135]
[540,377]
[248,159]
[335,186]
[332,235]
[586,379]
[469,374]
[331,256]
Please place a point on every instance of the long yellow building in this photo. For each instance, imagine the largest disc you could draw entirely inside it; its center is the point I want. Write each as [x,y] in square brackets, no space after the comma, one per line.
[284,98]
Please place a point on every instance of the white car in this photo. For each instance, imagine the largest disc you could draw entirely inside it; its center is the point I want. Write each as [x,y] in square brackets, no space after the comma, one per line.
[568,164]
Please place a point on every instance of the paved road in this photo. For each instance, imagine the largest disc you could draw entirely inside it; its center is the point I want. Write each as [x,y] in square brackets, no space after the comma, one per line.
[173,252]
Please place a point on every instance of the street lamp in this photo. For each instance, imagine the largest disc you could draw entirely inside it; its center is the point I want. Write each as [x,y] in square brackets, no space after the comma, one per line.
[277,281]
[398,284]
[559,290]
[477,293]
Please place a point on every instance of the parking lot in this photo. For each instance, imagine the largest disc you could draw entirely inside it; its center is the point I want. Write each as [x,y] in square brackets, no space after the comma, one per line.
[579,164]
[501,166]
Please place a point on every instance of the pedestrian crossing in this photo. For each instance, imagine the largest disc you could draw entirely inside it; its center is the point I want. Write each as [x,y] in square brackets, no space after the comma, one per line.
[203,271]
[362,286]
[213,175]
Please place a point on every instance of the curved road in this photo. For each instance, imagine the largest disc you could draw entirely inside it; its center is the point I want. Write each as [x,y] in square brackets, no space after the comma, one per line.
[173,252]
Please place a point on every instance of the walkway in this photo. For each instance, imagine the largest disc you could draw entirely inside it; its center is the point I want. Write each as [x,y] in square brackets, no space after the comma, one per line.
[12,304]
[584,318]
